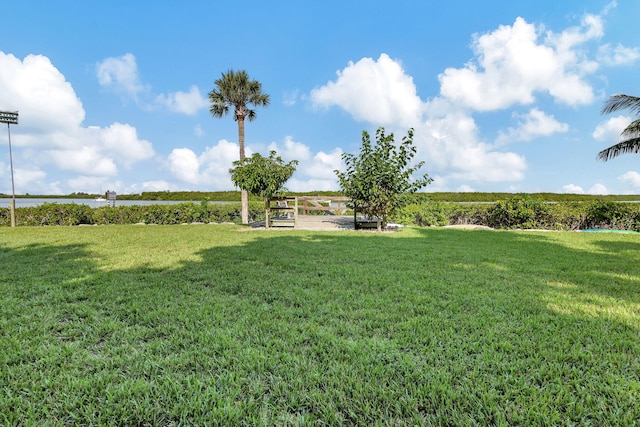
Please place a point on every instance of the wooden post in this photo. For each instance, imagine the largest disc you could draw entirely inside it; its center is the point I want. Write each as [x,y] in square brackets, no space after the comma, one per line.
[267,212]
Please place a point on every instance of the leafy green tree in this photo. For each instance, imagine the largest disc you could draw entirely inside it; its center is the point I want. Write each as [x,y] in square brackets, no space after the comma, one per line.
[236,90]
[262,176]
[379,179]
[631,134]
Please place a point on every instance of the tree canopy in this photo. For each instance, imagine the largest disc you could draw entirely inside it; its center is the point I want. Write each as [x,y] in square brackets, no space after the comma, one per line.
[631,134]
[379,178]
[262,176]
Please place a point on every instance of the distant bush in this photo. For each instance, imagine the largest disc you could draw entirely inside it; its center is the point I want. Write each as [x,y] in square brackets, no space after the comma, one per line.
[607,214]
[49,214]
[424,214]
[518,212]
[526,212]
[76,214]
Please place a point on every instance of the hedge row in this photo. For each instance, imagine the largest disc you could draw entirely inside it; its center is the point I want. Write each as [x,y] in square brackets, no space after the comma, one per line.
[75,214]
[526,213]
[521,212]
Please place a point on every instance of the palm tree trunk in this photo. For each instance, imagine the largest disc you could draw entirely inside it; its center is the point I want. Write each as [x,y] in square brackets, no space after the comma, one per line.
[244,196]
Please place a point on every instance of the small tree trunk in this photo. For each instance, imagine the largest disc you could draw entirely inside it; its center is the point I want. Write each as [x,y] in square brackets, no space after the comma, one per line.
[244,213]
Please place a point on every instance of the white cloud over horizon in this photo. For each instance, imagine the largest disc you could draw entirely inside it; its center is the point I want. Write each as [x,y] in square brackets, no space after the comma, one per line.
[632,178]
[572,189]
[211,167]
[51,130]
[599,189]
[449,144]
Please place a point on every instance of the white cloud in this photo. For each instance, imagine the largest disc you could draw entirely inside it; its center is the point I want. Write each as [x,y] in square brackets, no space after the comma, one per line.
[121,141]
[323,165]
[618,55]
[292,150]
[375,91]
[198,131]
[572,189]
[188,103]
[532,125]
[184,165]
[51,131]
[513,63]
[599,189]
[314,171]
[450,147]
[380,92]
[611,130]
[45,100]
[210,168]
[28,178]
[121,73]
[91,184]
[290,98]
[465,189]
[632,178]
[84,160]
[160,185]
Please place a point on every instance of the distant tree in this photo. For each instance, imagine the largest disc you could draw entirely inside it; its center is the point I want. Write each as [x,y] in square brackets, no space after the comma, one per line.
[379,179]
[236,90]
[262,176]
[631,134]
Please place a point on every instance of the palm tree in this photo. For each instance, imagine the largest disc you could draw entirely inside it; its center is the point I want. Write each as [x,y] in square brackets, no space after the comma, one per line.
[631,134]
[237,90]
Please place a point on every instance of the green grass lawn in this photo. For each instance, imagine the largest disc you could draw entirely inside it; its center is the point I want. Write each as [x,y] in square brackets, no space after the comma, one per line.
[208,325]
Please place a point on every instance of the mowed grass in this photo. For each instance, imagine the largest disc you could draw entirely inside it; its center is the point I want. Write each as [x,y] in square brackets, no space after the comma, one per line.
[209,325]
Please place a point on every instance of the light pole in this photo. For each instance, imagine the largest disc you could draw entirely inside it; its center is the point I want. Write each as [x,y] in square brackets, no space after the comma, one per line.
[11,118]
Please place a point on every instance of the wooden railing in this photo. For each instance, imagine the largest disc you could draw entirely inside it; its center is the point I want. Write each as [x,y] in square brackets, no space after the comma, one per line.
[327,204]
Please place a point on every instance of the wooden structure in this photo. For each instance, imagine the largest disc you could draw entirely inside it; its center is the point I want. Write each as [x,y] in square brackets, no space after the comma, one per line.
[290,211]
[281,212]
[366,222]
[327,204]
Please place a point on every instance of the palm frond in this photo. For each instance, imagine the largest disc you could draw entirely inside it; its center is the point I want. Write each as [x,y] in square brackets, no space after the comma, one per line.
[621,102]
[235,89]
[624,147]
[632,130]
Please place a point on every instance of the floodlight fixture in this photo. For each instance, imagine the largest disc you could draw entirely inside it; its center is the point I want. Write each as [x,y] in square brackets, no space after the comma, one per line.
[11,118]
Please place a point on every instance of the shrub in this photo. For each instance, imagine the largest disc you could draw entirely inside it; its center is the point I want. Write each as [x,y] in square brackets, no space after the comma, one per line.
[74,214]
[424,214]
[566,216]
[614,215]
[469,213]
[518,212]
[54,214]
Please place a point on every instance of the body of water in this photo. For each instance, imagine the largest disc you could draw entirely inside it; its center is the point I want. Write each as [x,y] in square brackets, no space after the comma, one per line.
[27,202]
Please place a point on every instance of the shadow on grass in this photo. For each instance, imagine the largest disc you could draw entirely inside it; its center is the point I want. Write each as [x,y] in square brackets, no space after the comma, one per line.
[420,327]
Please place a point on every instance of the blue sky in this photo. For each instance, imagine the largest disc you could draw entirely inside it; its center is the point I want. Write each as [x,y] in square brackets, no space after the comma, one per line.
[503,96]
